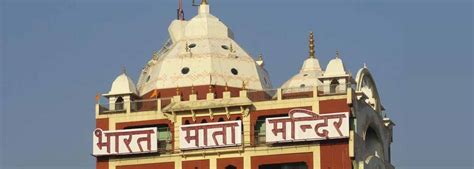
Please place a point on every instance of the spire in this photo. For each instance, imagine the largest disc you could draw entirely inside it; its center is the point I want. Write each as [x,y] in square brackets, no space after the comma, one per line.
[204,7]
[124,70]
[180,11]
[337,54]
[311,45]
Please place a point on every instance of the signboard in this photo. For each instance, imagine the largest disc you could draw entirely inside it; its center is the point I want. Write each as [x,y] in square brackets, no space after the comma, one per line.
[210,135]
[130,141]
[305,125]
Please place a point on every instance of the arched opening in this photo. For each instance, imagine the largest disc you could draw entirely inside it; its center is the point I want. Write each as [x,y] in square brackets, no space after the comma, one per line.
[220,119]
[296,165]
[373,143]
[186,122]
[203,121]
[230,167]
[333,86]
[119,103]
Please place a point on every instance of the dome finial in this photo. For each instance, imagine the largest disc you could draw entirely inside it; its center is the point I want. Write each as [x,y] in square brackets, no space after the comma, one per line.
[204,2]
[337,54]
[365,65]
[124,70]
[311,45]
[177,90]
[180,11]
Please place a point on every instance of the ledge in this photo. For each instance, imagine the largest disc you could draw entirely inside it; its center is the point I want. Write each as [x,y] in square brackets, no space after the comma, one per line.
[206,104]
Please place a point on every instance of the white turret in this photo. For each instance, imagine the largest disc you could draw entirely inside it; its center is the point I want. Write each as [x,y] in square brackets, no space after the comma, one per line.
[335,78]
[121,93]
[309,72]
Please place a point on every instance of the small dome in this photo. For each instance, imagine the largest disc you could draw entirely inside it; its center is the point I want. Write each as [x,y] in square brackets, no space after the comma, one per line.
[307,77]
[311,64]
[204,25]
[335,68]
[122,85]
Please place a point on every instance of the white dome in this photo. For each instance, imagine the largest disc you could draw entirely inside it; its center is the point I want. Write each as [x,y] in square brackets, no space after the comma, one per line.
[307,76]
[335,68]
[122,85]
[311,64]
[201,51]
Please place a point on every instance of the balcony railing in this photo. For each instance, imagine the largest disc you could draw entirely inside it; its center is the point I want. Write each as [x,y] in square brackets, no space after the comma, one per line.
[333,89]
[135,106]
[253,95]
[262,95]
[144,105]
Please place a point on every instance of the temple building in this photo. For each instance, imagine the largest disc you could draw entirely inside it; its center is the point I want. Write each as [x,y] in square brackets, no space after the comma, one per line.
[203,102]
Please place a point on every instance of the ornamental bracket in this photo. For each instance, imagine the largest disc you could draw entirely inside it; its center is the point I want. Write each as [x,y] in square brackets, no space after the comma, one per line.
[227,112]
[193,115]
[211,114]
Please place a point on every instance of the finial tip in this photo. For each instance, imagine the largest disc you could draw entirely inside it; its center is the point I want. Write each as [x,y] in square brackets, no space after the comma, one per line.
[311,45]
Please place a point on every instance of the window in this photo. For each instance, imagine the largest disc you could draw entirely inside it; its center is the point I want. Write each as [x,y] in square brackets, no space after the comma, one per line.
[119,104]
[185,70]
[297,165]
[164,136]
[260,128]
[192,45]
[333,87]
[259,132]
[230,167]
[234,71]
[225,47]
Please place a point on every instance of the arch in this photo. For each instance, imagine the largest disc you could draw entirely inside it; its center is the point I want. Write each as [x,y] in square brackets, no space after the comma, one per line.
[230,167]
[373,143]
[119,103]
[364,80]
[187,122]
[220,119]
[333,86]
[203,121]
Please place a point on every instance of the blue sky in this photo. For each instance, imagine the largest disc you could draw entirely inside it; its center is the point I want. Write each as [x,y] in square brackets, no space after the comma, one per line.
[56,54]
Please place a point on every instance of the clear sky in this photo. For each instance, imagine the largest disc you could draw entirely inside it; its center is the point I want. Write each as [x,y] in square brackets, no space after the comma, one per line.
[56,54]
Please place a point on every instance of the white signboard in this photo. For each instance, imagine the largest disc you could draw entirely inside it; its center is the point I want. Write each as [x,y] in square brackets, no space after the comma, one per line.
[130,141]
[209,135]
[305,125]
